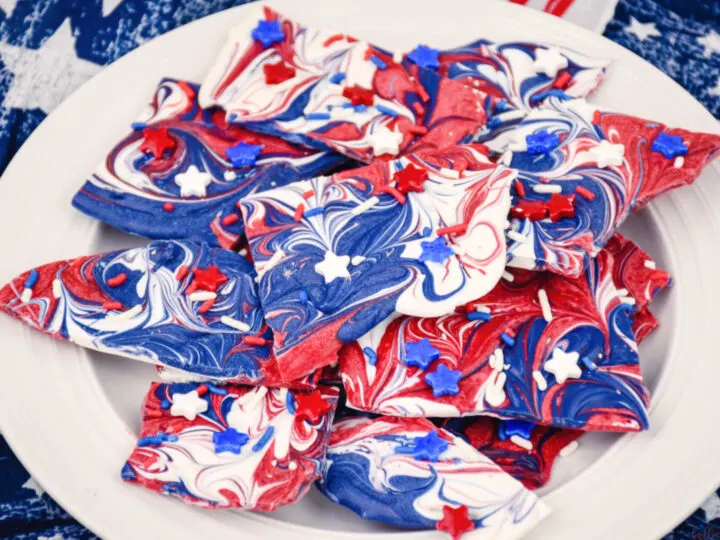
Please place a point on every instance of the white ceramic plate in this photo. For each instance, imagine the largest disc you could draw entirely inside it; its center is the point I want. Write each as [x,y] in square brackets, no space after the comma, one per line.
[73,416]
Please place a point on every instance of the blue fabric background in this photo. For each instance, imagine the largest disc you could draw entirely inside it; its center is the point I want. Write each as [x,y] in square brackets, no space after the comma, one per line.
[675,35]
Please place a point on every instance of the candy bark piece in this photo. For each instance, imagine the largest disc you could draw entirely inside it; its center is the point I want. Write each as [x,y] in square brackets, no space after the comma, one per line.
[173,176]
[609,163]
[171,303]
[252,448]
[528,459]
[542,348]
[345,95]
[374,467]
[338,255]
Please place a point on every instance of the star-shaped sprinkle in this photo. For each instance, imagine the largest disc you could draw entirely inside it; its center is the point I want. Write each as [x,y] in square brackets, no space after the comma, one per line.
[188,405]
[207,279]
[359,96]
[532,210]
[564,365]
[444,381]
[420,353]
[385,141]
[243,154]
[455,521]
[560,206]
[542,142]
[268,32]
[278,73]
[333,266]
[311,406]
[411,178]
[549,61]
[425,56]
[193,182]
[669,146]
[509,428]
[429,447]
[157,141]
[607,154]
[229,440]
[436,251]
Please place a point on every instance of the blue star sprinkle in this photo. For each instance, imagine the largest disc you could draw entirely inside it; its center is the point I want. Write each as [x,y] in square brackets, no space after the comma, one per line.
[436,251]
[243,154]
[444,381]
[542,142]
[669,146]
[425,57]
[230,440]
[268,32]
[420,354]
[509,428]
[429,447]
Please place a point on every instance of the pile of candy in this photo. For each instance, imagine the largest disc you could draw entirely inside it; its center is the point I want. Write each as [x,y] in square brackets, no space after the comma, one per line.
[421,247]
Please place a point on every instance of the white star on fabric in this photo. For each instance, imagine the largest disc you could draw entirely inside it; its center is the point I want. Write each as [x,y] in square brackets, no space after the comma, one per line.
[549,61]
[33,485]
[711,43]
[8,6]
[711,507]
[564,365]
[193,182]
[384,141]
[715,91]
[642,30]
[44,77]
[333,266]
[188,405]
[608,154]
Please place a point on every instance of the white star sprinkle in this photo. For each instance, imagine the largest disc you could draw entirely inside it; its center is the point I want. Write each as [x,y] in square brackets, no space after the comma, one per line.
[564,365]
[384,141]
[711,43]
[711,507]
[188,405]
[549,61]
[642,30]
[193,182]
[333,266]
[606,154]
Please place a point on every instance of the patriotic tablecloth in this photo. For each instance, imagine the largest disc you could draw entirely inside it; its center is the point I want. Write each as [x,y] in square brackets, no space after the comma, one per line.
[50,47]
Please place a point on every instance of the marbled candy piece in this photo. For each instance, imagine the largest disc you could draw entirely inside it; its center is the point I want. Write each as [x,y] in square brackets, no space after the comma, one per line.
[232,446]
[338,255]
[343,94]
[190,189]
[404,472]
[176,304]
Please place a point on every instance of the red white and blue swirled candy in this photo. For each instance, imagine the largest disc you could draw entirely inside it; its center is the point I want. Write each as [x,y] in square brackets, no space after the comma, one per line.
[524,450]
[181,171]
[176,304]
[542,348]
[330,91]
[232,446]
[582,171]
[406,472]
[338,255]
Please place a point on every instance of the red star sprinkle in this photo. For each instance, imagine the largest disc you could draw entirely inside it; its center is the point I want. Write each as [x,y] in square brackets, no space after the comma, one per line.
[208,279]
[157,141]
[311,406]
[532,210]
[278,73]
[561,206]
[411,178]
[455,521]
[359,96]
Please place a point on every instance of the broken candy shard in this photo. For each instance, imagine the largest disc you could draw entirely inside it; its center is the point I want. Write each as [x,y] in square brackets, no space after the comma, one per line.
[542,348]
[379,468]
[173,176]
[176,304]
[610,163]
[338,255]
[232,446]
[344,94]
